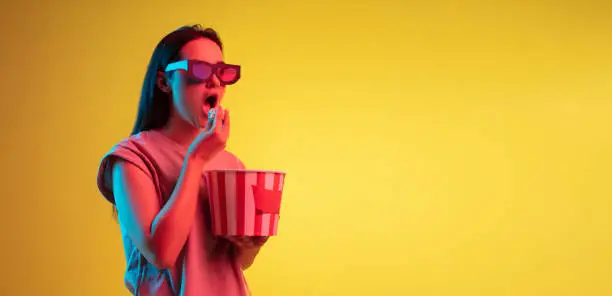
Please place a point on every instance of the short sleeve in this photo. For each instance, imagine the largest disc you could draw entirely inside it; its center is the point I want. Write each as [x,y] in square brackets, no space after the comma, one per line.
[240,164]
[233,161]
[125,151]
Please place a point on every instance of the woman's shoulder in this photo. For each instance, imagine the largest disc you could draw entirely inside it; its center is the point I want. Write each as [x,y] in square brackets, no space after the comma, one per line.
[142,144]
[140,139]
[230,161]
[134,149]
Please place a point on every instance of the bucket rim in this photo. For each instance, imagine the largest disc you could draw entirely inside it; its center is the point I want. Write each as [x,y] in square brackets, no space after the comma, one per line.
[245,171]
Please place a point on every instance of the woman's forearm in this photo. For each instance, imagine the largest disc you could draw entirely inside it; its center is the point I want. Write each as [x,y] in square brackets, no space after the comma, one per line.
[171,226]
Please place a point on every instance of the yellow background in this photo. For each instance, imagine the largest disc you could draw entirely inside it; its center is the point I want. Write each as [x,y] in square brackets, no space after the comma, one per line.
[432,148]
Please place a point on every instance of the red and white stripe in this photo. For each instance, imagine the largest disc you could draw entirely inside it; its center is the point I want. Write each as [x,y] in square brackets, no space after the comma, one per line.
[233,204]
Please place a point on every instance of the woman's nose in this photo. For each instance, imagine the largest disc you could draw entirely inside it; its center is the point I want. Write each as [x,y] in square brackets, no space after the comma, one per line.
[213,81]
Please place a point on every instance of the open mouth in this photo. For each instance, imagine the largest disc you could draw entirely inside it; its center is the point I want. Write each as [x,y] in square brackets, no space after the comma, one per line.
[211,101]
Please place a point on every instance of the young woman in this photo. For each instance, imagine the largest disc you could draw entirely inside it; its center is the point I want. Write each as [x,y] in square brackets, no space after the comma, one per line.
[155,178]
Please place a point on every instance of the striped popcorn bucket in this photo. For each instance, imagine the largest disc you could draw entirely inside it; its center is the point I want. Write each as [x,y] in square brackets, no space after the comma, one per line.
[245,202]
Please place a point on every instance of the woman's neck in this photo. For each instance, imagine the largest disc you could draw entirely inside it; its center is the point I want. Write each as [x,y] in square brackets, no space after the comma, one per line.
[180,131]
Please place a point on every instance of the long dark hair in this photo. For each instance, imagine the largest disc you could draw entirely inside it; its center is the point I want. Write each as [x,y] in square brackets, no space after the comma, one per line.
[154,106]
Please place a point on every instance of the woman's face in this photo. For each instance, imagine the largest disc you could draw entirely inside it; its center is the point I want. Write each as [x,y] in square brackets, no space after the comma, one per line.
[193,99]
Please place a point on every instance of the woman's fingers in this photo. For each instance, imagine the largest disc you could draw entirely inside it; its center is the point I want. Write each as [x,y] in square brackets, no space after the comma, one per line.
[225,124]
[211,122]
[248,241]
[219,119]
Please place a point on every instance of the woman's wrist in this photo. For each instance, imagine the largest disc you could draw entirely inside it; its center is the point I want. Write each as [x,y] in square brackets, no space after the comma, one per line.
[194,162]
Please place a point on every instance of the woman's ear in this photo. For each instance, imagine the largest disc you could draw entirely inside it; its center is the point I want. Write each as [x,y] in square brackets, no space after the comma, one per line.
[162,82]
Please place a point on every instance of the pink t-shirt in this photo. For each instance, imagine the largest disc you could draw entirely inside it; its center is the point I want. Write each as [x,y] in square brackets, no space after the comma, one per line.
[206,265]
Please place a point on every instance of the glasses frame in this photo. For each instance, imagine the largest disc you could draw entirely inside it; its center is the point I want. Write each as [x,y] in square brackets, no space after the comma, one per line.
[189,65]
